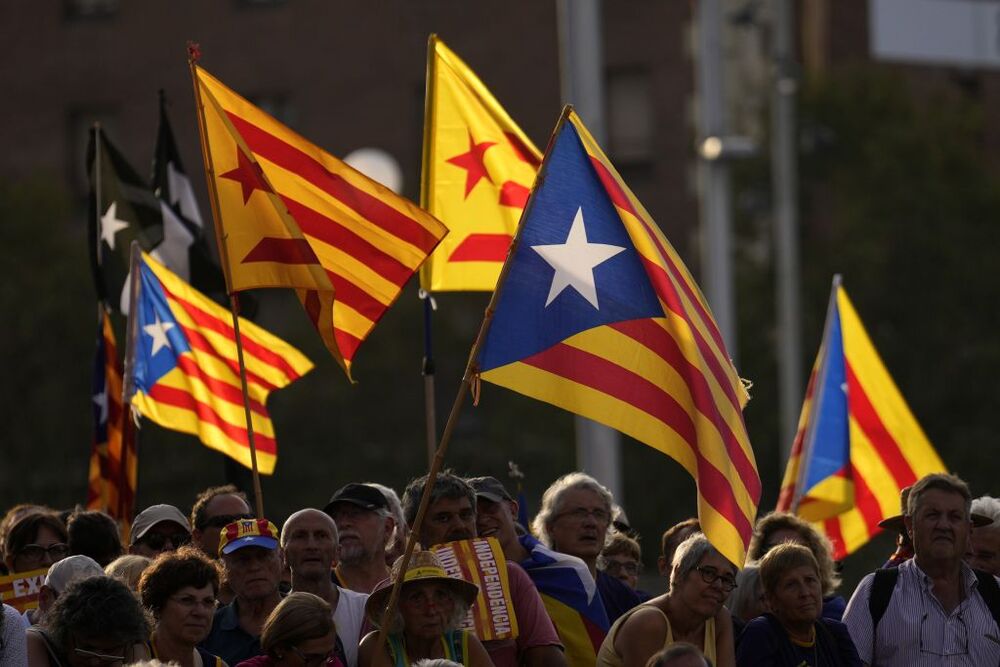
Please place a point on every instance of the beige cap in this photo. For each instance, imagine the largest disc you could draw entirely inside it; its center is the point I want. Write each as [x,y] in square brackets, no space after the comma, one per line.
[153,515]
[69,569]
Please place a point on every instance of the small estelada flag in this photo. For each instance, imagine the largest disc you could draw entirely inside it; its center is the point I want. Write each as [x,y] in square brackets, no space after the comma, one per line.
[481,561]
[292,215]
[478,170]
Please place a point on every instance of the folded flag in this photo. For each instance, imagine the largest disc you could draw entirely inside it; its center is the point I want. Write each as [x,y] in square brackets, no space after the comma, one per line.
[185,248]
[857,445]
[186,370]
[113,463]
[478,169]
[291,215]
[597,314]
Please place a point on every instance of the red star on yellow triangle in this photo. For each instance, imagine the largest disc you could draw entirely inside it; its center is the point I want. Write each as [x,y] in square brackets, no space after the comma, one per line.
[472,162]
[248,174]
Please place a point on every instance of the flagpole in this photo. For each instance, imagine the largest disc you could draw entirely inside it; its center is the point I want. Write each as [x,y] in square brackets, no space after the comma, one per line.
[470,380]
[427,369]
[128,385]
[234,303]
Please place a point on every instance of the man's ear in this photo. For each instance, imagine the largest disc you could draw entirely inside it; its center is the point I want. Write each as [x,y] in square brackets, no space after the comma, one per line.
[908,524]
[46,598]
[515,510]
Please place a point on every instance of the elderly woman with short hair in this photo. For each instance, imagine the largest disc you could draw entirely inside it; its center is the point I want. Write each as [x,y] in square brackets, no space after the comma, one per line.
[179,589]
[781,527]
[691,611]
[793,633]
[431,607]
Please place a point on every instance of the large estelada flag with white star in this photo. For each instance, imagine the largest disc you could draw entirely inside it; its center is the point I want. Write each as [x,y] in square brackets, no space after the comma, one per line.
[596,313]
[292,215]
[187,374]
[858,444]
[478,169]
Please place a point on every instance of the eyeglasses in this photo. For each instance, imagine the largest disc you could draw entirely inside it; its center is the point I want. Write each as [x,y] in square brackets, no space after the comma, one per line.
[157,541]
[311,659]
[580,514]
[615,567]
[38,552]
[102,658]
[710,575]
[190,601]
[223,520]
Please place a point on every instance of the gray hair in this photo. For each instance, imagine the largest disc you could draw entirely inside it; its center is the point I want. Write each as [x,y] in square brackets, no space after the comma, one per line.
[446,485]
[552,502]
[988,506]
[401,529]
[688,555]
[461,609]
[942,482]
[308,510]
[747,592]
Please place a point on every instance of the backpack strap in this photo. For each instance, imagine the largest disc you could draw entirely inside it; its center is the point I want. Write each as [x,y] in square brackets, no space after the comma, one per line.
[990,592]
[878,597]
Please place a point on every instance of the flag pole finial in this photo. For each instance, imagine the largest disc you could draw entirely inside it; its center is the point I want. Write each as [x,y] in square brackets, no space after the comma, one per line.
[194,51]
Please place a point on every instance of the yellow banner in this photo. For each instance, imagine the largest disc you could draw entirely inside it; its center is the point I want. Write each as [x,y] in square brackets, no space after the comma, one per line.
[481,561]
[20,589]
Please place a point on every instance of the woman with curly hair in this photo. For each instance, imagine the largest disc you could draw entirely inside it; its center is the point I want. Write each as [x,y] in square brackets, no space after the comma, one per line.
[96,620]
[781,527]
[179,589]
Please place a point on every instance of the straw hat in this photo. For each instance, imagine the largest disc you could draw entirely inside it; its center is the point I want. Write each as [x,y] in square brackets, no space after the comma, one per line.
[424,566]
[896,522]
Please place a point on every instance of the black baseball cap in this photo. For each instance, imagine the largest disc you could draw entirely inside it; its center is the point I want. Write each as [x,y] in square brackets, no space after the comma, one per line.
[489,488]
[364,496]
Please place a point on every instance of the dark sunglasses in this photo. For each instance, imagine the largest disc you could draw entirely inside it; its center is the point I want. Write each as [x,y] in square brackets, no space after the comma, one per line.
[156,541]
[223,520]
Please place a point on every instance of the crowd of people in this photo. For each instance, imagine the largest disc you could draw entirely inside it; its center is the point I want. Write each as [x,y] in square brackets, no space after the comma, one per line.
[222,586]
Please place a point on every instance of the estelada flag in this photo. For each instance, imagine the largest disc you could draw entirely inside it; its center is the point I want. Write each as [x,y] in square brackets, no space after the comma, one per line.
[596,313]
[478,169]
[114,466]
[187,374]
[858,444]
[289,214]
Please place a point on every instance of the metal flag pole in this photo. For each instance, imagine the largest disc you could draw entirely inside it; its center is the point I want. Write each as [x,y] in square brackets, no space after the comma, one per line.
[427,368]
[234,302]
[128,385]
[468,384]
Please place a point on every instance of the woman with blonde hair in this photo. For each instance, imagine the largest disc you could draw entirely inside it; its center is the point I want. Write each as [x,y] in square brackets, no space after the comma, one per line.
[299,632]
[127,569]
[781,527]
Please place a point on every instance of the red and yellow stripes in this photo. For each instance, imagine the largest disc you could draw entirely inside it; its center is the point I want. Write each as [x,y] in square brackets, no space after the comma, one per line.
[203,394]
[110,487]
[295,216]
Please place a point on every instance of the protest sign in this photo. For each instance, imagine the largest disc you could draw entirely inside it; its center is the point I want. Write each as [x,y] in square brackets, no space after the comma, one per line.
[481,561]
[20,589]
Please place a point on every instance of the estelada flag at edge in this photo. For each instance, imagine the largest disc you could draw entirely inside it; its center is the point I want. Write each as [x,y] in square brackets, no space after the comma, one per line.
[858,444]
[187,374]
[291,215]
[478,169]
[597,314]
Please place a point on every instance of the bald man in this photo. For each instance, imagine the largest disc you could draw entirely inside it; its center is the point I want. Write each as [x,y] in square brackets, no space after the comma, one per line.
[309,542]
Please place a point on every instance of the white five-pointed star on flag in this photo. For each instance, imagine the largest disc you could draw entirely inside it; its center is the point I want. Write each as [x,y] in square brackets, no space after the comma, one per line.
[111,224]
[574,261]
[158,332]
[101,401]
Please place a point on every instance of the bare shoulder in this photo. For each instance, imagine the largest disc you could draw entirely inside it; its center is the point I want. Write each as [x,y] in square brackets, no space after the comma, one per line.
[644,620]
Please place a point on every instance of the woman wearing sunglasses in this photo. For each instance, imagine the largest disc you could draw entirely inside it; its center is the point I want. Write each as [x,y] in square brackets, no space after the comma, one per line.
[179,589]
[298,633]
[700,581]
[95,622]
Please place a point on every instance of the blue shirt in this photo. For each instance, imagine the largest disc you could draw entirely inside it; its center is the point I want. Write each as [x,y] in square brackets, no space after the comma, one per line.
[228,639]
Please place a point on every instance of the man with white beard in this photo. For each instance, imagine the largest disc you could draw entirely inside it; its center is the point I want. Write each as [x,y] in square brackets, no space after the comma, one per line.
[366,525]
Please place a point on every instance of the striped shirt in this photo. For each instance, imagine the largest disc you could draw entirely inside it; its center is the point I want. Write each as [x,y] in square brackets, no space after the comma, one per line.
[917,631]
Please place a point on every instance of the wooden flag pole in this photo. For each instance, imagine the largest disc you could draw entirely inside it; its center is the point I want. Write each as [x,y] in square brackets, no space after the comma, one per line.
[427,369]
[234,303]
[469,381]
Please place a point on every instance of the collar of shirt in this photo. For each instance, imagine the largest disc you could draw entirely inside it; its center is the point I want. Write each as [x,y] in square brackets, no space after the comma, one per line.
[969,580]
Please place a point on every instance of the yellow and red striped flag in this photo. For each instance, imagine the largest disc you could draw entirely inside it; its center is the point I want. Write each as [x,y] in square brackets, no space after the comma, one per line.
[291,215]
[598,315]
[858,445]
[187,373]
[113,463]
[478,169]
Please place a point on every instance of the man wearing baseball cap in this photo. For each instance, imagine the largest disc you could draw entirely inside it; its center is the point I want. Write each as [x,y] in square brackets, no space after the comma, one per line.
[366,525]
[158,528]
[249,551]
